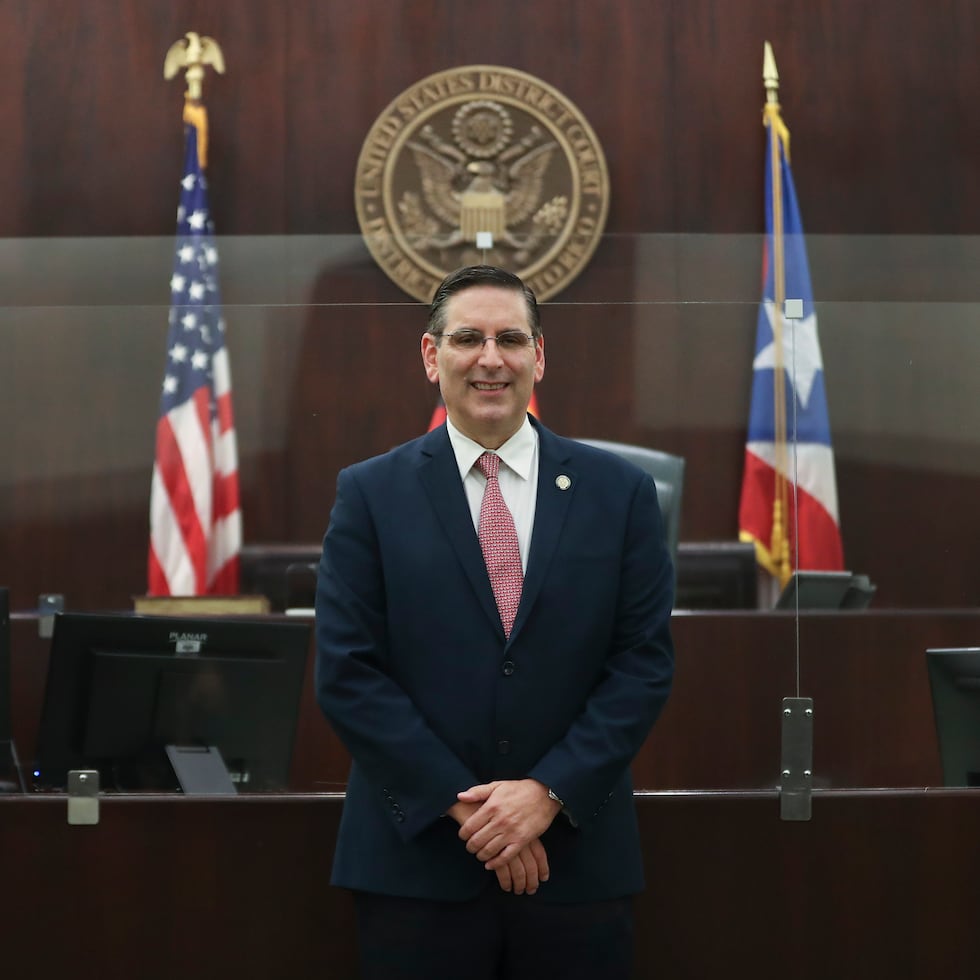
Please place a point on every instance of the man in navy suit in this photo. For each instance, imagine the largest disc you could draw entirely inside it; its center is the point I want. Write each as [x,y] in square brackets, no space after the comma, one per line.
[489,829]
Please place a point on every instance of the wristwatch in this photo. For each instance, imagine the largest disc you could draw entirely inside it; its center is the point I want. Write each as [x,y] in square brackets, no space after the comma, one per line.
[552,795]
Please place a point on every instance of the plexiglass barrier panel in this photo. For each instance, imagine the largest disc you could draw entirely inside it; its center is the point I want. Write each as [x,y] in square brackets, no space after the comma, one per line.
[655,344]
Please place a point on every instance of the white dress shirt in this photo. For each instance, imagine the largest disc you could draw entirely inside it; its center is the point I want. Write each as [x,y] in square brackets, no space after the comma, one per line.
[518,478]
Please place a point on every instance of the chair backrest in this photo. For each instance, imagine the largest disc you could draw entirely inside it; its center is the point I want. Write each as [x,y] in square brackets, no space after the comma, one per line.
[667,471]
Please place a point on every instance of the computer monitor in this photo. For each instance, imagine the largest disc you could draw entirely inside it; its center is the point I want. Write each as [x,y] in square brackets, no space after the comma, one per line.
[954,679]
[124,690]
[716,575]
[280,572]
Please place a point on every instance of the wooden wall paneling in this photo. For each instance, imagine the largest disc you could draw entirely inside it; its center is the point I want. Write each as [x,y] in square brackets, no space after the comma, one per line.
[94,146]
[876,884]
[908,529]
[100,143]
[673,89]
[870,886]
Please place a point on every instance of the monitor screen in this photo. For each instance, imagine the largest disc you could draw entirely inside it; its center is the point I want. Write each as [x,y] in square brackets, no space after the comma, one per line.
[129,694]
[954,679]
[284,573]
[716,575]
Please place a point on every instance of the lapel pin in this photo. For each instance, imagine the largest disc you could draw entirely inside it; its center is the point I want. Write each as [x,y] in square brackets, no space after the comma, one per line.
[563,482]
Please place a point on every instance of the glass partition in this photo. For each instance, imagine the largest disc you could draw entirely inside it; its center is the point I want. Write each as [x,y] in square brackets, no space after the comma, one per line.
[652,345]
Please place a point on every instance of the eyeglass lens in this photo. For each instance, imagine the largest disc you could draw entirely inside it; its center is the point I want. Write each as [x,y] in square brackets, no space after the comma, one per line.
[509,340]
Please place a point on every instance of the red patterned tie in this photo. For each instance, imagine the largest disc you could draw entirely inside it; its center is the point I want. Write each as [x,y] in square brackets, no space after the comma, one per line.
[498,539]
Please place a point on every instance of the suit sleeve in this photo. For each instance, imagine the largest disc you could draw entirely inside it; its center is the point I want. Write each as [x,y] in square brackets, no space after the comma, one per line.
[591,758]
[411,768]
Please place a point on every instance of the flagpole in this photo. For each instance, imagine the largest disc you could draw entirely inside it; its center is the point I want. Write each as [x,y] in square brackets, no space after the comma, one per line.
[195,515]
[779,544]
[789,480]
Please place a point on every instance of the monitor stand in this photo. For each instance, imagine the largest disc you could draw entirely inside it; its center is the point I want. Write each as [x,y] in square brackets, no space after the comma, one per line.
[200,770]
[11,780]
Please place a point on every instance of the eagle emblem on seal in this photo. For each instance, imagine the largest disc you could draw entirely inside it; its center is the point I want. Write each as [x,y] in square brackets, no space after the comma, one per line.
[485,180]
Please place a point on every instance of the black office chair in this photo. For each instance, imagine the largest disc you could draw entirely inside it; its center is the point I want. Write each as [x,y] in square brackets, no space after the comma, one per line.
[667,471]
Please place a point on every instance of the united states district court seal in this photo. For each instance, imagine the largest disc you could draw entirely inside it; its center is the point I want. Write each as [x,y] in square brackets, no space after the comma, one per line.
[481,164]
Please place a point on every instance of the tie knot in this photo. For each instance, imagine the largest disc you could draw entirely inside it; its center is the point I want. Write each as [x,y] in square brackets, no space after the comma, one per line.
[489,464]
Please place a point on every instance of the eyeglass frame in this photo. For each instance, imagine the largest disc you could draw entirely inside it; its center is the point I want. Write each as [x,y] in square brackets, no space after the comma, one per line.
[529,338]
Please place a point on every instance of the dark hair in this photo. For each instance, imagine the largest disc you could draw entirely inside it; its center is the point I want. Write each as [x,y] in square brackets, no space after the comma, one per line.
[480,275]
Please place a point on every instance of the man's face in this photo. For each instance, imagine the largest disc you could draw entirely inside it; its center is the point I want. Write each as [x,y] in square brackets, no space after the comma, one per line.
[485,390]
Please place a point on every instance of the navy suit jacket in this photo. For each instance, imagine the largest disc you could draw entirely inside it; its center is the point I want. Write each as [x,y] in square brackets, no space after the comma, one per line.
[416,676]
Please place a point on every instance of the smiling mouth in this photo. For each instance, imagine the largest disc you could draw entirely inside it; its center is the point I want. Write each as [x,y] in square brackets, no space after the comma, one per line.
[489,385]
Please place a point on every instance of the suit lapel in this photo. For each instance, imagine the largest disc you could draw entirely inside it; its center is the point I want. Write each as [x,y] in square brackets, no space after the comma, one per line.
[556,487]
[439,474]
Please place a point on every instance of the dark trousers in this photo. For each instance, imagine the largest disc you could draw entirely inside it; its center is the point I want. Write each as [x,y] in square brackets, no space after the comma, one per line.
[497,936]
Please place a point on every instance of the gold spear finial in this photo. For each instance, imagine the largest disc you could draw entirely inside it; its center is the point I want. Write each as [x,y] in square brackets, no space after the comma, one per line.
[770,77]
[193,52]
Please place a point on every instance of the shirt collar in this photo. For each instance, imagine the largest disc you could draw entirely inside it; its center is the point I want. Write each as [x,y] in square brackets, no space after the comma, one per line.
[517,453]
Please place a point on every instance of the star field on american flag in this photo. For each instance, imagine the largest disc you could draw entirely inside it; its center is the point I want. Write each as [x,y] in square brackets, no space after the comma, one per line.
[196,325]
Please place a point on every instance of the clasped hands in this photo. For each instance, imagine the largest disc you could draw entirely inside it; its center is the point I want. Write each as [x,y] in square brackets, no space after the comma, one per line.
[502,823]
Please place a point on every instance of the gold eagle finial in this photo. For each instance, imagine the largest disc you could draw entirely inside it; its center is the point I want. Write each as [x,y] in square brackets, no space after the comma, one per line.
[193,52]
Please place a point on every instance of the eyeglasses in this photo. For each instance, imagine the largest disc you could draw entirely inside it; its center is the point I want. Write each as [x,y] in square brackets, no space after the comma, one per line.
[508,342]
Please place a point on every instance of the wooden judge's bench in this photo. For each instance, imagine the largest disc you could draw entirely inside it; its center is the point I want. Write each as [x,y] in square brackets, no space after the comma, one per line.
[882,881]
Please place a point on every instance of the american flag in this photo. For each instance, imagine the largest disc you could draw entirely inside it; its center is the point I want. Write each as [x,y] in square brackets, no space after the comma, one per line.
[801,528]
[195,520]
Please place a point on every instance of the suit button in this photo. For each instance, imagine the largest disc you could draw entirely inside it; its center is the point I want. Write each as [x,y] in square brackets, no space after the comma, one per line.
[507,668]
[503,746]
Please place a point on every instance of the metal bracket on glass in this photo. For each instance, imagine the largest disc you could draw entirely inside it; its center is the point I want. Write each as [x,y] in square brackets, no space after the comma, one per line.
[83,797]
[47,605]
[796,771]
